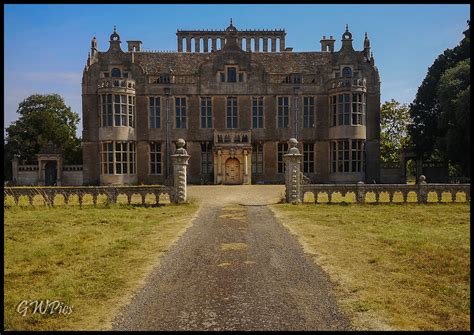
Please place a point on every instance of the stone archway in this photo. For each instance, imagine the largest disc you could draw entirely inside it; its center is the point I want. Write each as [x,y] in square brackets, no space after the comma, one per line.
[232,171]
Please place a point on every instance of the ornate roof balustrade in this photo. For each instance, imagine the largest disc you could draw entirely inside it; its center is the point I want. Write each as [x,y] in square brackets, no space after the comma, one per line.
[342,84]
[116,83]
[232,137]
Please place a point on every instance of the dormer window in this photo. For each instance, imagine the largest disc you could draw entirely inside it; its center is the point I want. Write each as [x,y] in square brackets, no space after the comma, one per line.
[231,74]
[293,79]
[116,73]
[347,72]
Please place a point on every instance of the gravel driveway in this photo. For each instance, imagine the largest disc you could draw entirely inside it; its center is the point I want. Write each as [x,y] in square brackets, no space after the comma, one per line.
[235,268]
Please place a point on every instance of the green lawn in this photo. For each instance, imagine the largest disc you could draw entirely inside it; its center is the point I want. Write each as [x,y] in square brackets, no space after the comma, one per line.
[394,266]
[91,259]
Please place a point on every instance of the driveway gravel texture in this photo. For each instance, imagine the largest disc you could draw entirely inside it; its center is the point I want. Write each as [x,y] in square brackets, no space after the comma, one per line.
[235,268]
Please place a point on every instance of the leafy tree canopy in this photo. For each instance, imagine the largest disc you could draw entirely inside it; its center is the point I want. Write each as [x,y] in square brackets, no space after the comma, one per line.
[441,94]
[43,118]
[394,122]
[454,93]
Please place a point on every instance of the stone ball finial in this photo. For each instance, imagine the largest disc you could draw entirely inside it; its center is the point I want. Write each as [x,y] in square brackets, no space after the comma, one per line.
[293,149]
[180,143]
[422,179]
[292,142]
[180,147]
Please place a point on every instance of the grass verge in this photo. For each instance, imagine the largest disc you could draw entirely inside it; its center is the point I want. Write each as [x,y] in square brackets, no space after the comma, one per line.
[91,259]
[394,267]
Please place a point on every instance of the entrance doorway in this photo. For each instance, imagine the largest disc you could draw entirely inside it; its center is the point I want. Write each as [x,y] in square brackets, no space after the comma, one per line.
[232,171]
[50,173]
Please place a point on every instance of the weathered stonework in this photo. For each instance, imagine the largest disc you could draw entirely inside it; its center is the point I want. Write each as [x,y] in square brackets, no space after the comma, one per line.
[269,72]
[180,161]
[49,193]
[292,173]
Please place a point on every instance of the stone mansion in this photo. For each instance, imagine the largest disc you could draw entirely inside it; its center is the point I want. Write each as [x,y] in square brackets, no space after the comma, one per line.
[236,97]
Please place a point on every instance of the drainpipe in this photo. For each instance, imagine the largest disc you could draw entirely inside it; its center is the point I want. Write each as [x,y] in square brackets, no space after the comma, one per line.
[295,111]
[168,143]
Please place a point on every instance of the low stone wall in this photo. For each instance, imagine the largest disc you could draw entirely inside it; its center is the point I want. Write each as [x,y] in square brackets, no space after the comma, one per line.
[392,175]
[361,190]
[112,193]
[27,178]
[72,178]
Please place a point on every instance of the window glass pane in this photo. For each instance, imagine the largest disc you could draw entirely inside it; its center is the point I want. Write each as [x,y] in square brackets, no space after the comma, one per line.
[231,74]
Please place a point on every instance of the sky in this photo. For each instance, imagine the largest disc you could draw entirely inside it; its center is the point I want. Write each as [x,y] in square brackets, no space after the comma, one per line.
[46,46]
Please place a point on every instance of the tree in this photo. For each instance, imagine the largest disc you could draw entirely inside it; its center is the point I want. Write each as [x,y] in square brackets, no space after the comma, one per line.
[427,111]
[394,122]
[454,91]
[42,118]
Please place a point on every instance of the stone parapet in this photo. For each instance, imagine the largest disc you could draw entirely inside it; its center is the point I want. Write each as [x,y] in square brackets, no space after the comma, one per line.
[49,193]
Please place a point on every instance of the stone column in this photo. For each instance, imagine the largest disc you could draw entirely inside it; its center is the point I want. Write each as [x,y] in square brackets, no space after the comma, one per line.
[180,44]
[245,162]
[274,46]
[197,45]
[292,173]
[257,44]
[180,161]
[265,44]
[59,167]
[248,43]
[282,44]
[206,42]
[41,173]
[214,44]
[188,43]
[218,177]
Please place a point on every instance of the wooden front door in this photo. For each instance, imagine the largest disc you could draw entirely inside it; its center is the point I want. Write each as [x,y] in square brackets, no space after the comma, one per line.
[232,171]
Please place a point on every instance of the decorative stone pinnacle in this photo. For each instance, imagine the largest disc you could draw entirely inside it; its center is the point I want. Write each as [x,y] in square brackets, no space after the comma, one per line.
[180,143]
[115,29]
[293,149]
[292,142]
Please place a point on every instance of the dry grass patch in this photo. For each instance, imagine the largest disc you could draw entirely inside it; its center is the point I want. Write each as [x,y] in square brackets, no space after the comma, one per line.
[395,267]
[90,258]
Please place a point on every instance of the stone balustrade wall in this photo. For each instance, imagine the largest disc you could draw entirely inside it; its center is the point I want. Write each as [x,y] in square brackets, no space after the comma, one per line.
[112,193]
[362,190]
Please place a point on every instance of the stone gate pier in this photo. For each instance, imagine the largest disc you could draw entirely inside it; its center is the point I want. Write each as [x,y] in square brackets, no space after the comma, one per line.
[292,173]
[296,188]
[180,161]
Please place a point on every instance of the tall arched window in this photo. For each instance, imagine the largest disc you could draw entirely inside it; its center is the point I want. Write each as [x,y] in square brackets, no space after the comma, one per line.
[346,72]
[116,72]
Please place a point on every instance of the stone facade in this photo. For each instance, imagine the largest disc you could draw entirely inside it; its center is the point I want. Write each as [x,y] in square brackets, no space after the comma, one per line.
[236,99]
